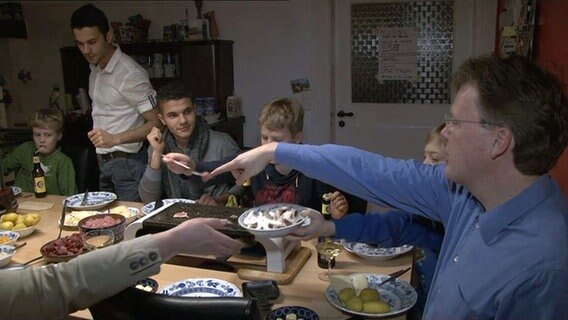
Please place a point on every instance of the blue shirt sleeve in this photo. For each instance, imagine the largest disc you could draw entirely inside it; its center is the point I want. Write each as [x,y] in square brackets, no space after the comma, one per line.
[406,185]
[391,229]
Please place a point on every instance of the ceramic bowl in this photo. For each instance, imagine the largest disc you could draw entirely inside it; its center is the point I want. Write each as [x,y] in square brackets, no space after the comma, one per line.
[148,285]
[6,253]
[95,200]
[9,237]
[116,225]
[271,231]
[63,249]
[26,231]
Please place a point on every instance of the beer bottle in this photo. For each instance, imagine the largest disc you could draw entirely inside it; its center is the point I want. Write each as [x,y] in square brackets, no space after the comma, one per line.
[325,203]
[39,179]
[247,199]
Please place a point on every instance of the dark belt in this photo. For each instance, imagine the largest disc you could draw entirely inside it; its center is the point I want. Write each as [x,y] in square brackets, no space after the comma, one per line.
[115,155]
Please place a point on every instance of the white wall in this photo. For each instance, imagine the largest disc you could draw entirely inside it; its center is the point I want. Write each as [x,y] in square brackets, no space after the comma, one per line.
[275,41]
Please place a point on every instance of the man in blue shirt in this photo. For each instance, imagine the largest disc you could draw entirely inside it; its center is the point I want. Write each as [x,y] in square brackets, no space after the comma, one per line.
[505,252]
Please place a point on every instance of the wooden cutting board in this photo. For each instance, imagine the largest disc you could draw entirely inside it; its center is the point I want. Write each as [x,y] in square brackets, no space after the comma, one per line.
[294,263]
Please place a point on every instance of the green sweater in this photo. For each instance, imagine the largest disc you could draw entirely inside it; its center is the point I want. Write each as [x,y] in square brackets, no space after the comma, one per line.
[58,168]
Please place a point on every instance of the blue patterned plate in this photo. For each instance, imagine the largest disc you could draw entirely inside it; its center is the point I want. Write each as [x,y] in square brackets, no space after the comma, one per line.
[202,287]
[148,285]
[16,190]
[399,294]
[149,207]
[95,200]
[300,312]
[375,253]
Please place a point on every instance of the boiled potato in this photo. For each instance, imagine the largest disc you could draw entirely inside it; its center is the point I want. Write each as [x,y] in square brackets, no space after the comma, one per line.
[19,226]
[369,294]
[11,217]
[6,225]
[35,215]
[20,219]
[346,294]
[31,220]
[354,303]
[376,307]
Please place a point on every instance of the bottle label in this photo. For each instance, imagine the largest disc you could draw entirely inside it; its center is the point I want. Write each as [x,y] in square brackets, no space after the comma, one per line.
[325,202]
[39,185]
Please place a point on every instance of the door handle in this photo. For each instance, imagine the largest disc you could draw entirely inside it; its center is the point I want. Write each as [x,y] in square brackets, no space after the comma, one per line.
[342,114]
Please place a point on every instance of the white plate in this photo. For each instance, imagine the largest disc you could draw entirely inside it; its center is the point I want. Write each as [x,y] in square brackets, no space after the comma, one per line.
[399,294]
[95,200]
[276,232]
[130,213]
[16,190]
[149,207]
[372,252]
[202,287]
[72,218]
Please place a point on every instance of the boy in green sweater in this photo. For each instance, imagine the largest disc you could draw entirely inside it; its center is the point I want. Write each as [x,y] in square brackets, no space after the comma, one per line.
[47,129]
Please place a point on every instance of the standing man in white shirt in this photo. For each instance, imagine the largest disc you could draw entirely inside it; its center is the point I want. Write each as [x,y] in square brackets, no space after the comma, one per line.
[122,113]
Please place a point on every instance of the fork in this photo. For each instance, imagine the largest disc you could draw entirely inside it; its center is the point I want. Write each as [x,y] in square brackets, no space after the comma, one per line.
[85,197]
[181,164]
[62,220]
[393,276]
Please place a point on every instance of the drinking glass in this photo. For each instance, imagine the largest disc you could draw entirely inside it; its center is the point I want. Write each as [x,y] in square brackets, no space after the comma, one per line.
[329,249]
[96,239]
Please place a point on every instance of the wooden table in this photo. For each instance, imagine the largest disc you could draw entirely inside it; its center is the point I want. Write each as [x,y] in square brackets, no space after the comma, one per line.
[305,290]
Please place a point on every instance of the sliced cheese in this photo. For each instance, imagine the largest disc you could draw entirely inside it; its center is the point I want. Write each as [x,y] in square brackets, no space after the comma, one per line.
[340,282]
[122,210]
[356,281]
[360,282]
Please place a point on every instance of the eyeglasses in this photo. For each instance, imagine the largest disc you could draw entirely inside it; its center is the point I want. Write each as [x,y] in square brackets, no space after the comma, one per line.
[452,122]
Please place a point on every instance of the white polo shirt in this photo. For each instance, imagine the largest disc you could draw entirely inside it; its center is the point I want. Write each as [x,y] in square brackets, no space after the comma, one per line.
[119,95]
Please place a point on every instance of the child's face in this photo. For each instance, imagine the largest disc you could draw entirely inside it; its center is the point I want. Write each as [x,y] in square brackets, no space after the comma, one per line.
[46,139]
[284,135]
[434,152]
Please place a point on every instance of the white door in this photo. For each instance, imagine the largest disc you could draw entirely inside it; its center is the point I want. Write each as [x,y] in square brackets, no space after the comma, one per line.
[399,130]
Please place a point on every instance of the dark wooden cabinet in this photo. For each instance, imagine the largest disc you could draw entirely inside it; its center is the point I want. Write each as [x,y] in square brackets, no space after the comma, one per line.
[206,66]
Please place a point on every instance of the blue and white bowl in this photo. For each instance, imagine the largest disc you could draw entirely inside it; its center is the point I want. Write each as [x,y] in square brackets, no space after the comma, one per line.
[202,287]
[375,253]
[95,200]
[13,236]
[300,312]
[148,285]
[399,294]
[6,253]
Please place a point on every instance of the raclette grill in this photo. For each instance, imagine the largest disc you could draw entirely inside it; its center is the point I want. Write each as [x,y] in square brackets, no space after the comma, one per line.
[276,249]
[165,219]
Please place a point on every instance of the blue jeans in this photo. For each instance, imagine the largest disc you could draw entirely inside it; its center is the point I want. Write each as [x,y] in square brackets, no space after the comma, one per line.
[122,175]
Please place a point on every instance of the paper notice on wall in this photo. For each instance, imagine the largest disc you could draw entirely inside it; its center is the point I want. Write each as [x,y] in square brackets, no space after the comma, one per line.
[398,54]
